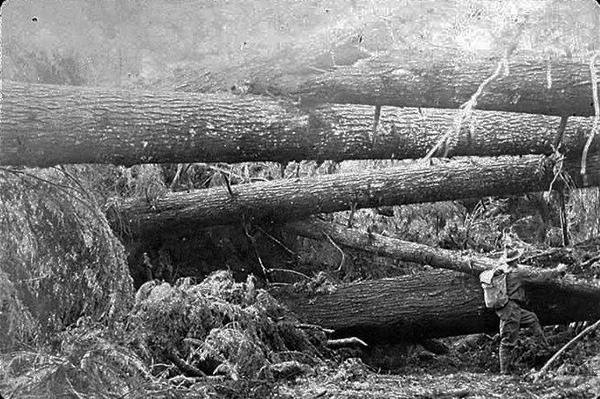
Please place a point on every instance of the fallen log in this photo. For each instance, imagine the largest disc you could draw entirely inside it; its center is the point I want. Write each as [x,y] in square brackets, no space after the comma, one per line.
[44,125]
[347,132]
[407,251]
[428,305]
[447,80]
[381,245]
[294,199]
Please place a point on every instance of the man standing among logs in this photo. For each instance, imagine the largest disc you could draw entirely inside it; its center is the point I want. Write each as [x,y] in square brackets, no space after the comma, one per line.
[512,315]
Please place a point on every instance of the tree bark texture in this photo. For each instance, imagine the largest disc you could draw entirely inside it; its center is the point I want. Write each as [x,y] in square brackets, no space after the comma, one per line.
[44,125]
[428,305]
[381,245]
[447,80]
[294,199]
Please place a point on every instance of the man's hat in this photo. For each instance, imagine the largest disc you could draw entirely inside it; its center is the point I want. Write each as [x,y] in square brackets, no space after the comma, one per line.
[511,254]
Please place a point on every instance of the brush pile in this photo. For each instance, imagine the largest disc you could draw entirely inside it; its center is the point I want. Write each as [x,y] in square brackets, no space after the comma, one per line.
[222,327]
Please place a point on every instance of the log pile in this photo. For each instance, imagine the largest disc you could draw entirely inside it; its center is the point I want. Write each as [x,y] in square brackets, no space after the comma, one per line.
[424,305]
[345,113]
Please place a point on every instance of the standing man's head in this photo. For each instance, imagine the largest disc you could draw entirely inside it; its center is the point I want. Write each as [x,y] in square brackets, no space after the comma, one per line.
[511,256]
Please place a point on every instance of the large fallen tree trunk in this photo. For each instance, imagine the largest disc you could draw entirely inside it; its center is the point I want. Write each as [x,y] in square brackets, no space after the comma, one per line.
[294,199]
[447,80]
[428,305]
[44,125]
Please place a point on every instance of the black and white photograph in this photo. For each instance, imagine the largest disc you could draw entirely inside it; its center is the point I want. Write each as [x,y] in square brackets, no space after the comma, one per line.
[312,199]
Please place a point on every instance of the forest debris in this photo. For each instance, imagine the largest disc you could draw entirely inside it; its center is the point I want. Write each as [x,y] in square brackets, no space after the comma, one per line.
[93,361]
[596,104]
[351,341]
[566,347]
[315,327]
[352,369]
[465,112]
[594,364]
[322,283]
[343,260]
[219,327]
[586,264]
[186,368]
[240,354]
[435,346]
[290,370]
[288,276]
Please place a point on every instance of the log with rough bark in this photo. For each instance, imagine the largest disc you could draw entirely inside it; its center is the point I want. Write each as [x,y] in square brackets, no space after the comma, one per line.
[407,251]
[44,125]
[294,199]
[428,305]
[381,245]
[447,80]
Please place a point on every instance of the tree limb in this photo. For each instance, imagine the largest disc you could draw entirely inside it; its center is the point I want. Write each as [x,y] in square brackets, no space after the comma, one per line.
[562,350]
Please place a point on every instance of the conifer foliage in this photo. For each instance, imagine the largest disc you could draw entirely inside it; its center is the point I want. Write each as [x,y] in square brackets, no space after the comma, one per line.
[59,259]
